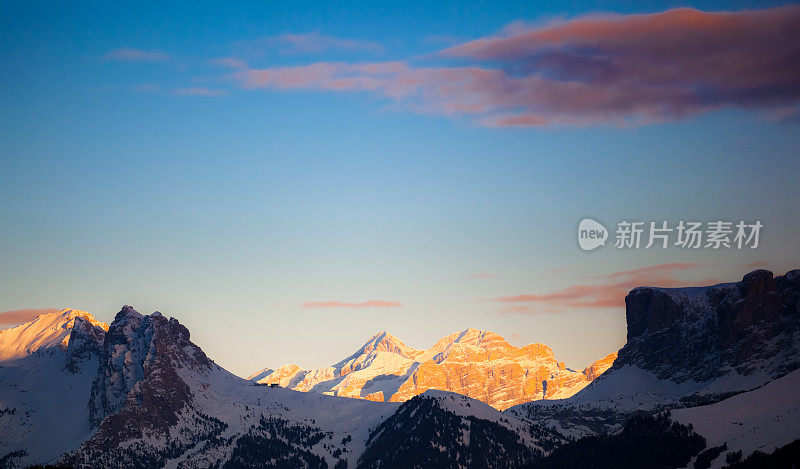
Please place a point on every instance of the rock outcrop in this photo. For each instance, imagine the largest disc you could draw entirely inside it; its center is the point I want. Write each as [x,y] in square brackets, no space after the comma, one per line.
[743,328]
[139,365]
[85,342]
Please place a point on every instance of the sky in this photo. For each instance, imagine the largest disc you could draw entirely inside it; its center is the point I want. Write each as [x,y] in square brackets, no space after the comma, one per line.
[287,179]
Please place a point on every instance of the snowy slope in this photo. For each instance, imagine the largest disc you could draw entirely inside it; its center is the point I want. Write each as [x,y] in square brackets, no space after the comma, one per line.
[762,419]
[241,405]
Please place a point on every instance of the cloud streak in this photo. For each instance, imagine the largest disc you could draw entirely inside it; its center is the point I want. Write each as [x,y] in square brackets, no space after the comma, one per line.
[610,292]
[19,316]
[340,304]
[199,91]
[623,69]
[315,42]
[481,275]
[136,55]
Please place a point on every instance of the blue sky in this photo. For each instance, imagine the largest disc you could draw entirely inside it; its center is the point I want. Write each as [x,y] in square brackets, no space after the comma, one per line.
[134,169]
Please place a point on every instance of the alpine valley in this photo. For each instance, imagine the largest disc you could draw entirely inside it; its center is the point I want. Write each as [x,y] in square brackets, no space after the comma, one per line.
[708,377]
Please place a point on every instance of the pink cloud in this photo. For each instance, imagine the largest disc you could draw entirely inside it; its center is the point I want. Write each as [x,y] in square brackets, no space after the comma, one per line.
[610,292]
[559,270]
[19,316]
[482,275]
[617,69]
[137,55]
[229,62]
[199,91]
[312,43]
[519,120]
[364,304]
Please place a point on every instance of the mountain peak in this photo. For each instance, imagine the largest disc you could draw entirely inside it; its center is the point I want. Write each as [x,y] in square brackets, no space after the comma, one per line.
[384,341]
[45,331]
[380,335]
[478,338]
[126,312]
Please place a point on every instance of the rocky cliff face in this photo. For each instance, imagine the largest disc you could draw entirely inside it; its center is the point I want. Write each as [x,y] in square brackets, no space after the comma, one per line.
[726,350]
[139,390]
[745,328]
[478,364]
[85,343]
[143,354]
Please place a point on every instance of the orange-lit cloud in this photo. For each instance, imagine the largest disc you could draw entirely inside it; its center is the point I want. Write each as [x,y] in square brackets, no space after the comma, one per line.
[363,304]
[623,69]
[19,316]
[608,293]
[136,55]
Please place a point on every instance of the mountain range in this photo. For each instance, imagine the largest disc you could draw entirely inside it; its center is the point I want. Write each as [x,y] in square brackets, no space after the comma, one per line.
[708,376]
[478,364]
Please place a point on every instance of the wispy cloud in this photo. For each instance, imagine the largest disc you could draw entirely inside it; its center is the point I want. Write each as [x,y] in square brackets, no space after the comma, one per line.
[363,304]
[755,265]
[229,62]
[19,316]
[558,270]
[482,275]
[136,55]
[147,88]
[442,39]
[199,91]
[315,42]
[609,292]
[623,69]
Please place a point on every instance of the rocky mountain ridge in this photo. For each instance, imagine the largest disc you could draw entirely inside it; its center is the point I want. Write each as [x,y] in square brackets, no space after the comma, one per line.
[475,363]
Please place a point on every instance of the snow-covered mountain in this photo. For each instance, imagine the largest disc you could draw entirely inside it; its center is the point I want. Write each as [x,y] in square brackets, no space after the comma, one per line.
[45,331]
[139,393]
[475,363]
[45,385]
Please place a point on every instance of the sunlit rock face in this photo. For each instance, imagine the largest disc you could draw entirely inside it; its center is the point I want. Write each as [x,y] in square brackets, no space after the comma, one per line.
[475,363]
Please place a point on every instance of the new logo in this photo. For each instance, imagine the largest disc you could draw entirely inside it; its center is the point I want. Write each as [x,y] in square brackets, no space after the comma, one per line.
[591,234]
